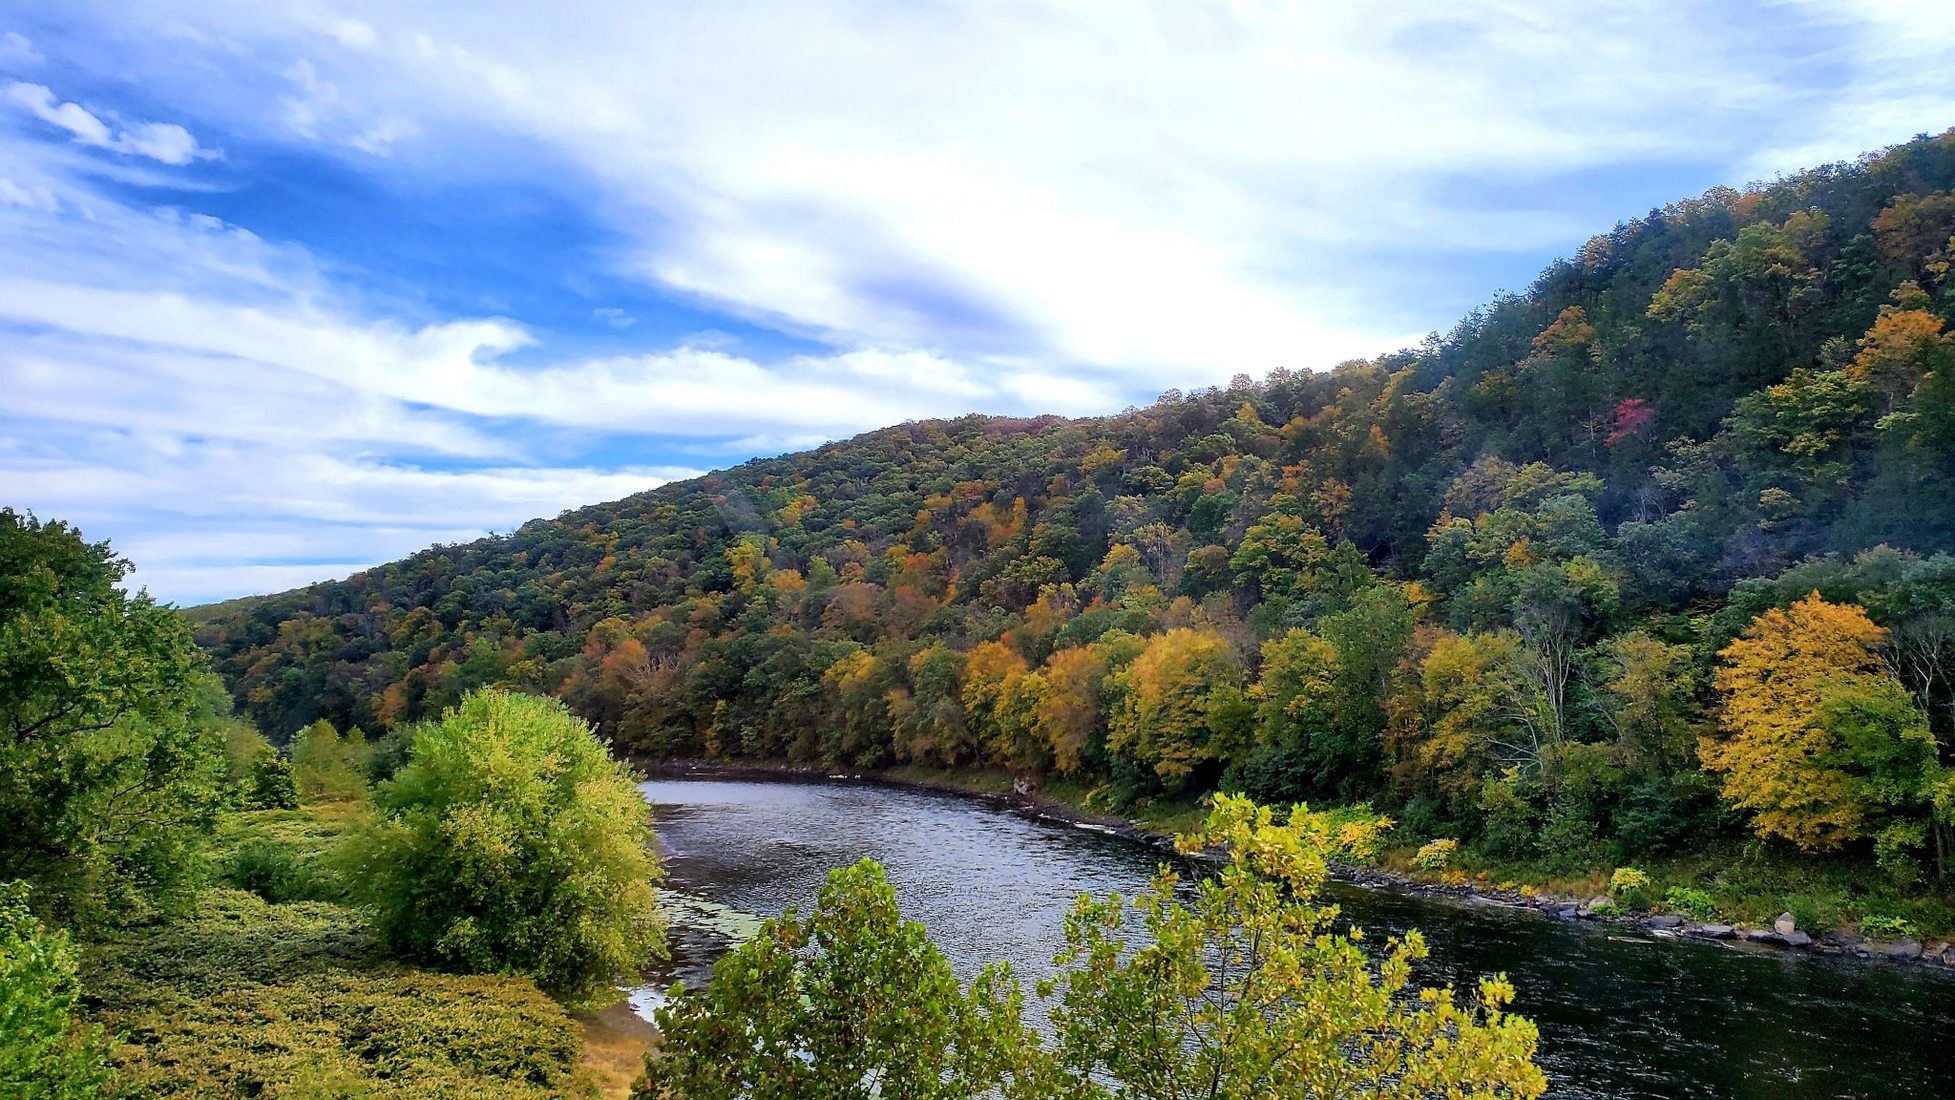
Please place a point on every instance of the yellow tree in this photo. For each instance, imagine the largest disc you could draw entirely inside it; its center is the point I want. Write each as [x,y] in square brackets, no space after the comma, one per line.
[1183,704]
[1780,757]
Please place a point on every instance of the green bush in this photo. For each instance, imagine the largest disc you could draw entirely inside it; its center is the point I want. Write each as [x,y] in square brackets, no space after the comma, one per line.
[512,841]
[1690,901]
[44,1053]
[1885,927]
[278,873]
[271,786]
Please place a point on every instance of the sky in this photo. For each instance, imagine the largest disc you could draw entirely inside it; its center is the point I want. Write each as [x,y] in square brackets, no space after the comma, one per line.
[290,289]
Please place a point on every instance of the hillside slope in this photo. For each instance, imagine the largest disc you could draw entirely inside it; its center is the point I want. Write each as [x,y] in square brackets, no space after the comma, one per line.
[1484,581]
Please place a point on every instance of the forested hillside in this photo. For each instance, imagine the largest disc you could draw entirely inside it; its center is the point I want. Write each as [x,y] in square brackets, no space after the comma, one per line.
[1544,583]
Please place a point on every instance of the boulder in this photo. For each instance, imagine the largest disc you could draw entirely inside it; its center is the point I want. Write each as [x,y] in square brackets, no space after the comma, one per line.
[1597,902]
[1716,931]
[1904,949]
[1566,914]
[1666,920]
[1785,925]
[1796,938]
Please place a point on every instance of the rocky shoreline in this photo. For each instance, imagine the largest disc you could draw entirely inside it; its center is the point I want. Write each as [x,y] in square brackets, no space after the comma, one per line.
[1783,935]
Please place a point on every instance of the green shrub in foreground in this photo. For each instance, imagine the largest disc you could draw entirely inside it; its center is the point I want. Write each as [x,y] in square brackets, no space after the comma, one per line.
[44,1053]
[512,841]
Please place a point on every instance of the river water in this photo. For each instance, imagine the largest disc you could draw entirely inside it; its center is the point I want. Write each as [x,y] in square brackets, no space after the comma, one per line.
[1620,1015]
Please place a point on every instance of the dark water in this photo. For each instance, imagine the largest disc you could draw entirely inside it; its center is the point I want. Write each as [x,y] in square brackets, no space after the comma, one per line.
[1620,1015]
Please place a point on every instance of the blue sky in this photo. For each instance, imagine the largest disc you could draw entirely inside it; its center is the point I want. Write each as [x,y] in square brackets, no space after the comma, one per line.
[290,289]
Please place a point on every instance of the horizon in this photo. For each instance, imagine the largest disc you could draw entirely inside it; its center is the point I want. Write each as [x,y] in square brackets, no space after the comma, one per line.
[297,293]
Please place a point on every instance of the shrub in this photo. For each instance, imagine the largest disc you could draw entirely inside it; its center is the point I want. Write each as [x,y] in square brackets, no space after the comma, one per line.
[1690,901]
[278,873]
[1434,855]
[1630,887]
[270,785]
[44,1053]
[1884,927]
[512,841]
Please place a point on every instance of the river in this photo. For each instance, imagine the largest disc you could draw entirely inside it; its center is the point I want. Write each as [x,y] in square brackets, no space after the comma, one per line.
[1621,1015]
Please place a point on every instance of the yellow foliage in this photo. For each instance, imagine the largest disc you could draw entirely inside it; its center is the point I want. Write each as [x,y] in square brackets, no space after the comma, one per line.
[1774,752]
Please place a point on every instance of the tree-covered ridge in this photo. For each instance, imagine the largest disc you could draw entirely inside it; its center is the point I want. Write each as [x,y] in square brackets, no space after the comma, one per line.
[1485,581]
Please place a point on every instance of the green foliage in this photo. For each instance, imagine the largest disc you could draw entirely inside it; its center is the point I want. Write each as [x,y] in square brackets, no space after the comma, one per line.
[851,1001]
[512,841]
[45,1052]
[1690,901]
[271,786]
[249,999]
[1881,926]
[327,765]
[107,784]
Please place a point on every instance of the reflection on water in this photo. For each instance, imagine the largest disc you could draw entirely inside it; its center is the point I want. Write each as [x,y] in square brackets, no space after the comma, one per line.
[1620,1015]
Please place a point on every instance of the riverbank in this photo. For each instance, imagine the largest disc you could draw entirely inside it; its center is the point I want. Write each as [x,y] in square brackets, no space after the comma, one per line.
[1065,804]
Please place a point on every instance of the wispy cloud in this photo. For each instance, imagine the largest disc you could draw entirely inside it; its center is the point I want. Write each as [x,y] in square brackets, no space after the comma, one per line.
[161,141]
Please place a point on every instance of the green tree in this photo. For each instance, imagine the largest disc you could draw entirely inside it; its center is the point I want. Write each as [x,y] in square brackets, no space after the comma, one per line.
[45,1054]
[107,788]
[1249,990]
[327,765]
[847,1003]
[512,841]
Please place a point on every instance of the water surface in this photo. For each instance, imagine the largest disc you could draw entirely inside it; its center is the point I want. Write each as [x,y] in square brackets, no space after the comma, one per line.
[1620,1015]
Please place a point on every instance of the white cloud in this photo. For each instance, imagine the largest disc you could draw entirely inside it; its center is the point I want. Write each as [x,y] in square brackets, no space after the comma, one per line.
[1168,192]
[161,141]
[17,52]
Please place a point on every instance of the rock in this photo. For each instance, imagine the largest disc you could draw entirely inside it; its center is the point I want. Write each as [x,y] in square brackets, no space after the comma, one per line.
[1905,949]
[1785,925]
[1596,902]
[1796,938]
[1757,935]
[1566,914]
[1935,952]
[1667,920]
[1716,931]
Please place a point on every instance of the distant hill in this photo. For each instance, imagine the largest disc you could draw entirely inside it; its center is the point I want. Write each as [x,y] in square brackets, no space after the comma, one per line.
[1633,451]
